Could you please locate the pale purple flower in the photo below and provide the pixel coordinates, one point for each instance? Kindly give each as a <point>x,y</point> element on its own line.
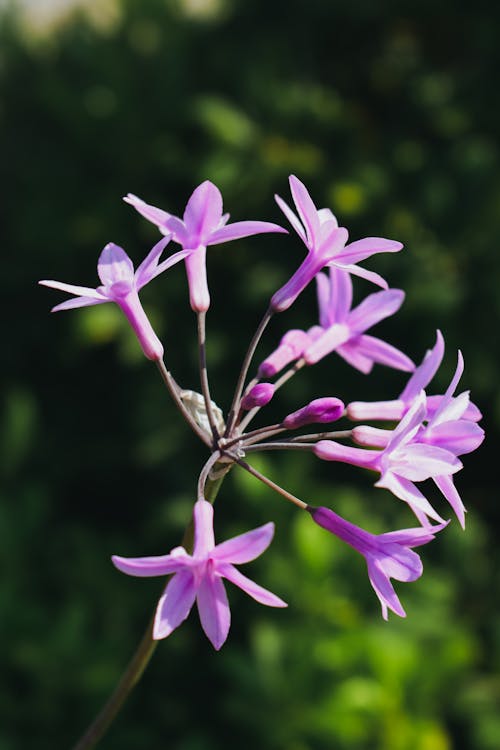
<point>387,555</point>
<point>343,329</point>
<point>321,411</point>
<point>202,224</point>
<point>198,577</point>
<point>325,242</point>
<point>446,428</point>
<point>120,284</point>
<point>396,409</point>
<point>259,395</point>
<point>402,462</point>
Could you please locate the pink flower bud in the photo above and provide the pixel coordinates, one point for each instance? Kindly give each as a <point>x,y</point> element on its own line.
<point>291,347</point>
<point>319,410</point>
<point>259,395</point>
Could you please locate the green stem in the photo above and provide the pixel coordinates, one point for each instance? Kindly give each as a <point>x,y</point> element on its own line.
<point>141,657</point>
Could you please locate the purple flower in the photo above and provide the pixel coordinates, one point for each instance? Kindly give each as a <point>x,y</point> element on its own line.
<point>343,329</point>
<point>203,224</point>
<point>325,242</point>
<point>321,410</point>
<point>259,395</point>
<point>396,409</point>
<point>120,284</point>
<point>387,555</point>
<point>199,576</point>
<point>402,462</point>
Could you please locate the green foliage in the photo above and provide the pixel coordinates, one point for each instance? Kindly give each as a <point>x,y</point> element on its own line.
<point>387,112</point>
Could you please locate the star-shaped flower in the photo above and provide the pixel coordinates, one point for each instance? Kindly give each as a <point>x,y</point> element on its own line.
<point>402,462</point>
<point>325,242</point>
<point>198,577</point>
<point>422,376</point>
<point>387,555</point>
<point>202,224</point>
<point>120,284</point>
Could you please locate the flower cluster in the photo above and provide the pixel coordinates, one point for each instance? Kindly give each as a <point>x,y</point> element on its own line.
<point>421,436</point>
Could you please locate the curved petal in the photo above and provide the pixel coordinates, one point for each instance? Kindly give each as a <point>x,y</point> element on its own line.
<point>114,265</point>
<point>459,436</point>
<point>146,567</point>
<point>261,595</point>
<point>383,353</point>
<point>419,462</point>
<point>245,547</point>
<point>340,295</point>
<point>361,249</point>
<point>384,589</point>
<point>426,371</point>
<point>80,291</point>
<point>175,604</point>
<point>243,229</point>
<point>447,487</point>
<point>399,562</point>
<point>151,213</point>
<point>413,537</point>
<point>375,308</point>
<point>148,269</point>
<point>203,212</point>
<point>71,304</point>
<point>213,608</point>
<point>351,354</point>
<point>406,491</point>
<point>292,218</point>
<point>306,209</point>
<point>409,425</point>
<point>333,337</point>
<point>375,278</point>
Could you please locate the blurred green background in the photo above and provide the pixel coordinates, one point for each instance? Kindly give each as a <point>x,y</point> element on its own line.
<point>389,112</point>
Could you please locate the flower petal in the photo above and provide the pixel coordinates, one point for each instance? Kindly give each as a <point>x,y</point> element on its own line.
<point>162,565</point>
<point>383,353</point>
<point>151,213</point>
<point>213,608</point>
<point>261,595</point>
<point>447,487</point>
<point>81,291</point>
<point>114,265</point>
<point>245,547</point>
<point>243,229</point>
<point>175,604</point>
<point>384,589</point>
<point>307,210</point>
<point>375,278</point>
<point>292,218</point>
<point>340,295</point>
<point>332,338</point>
<point>459,436</point>
<point>424,372</point>
<point>359,250</point>
<point>71,304</point>
<point>406,491</point>
<point>203,213</point>
<point>419,462</point>
<point>147,270</point>
<point>351,354</point>
<point>375,308</point>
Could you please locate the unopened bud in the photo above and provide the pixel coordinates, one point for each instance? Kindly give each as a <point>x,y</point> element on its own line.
<point>259,395</point>
<point>319,410</point>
